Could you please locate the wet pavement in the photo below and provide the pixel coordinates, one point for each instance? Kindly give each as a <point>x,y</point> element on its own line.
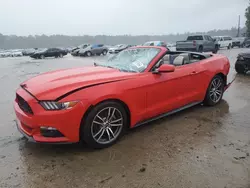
<point>199,147</point>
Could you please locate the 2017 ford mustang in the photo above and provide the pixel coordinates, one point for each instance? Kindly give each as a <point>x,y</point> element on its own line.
<point>97,104</point>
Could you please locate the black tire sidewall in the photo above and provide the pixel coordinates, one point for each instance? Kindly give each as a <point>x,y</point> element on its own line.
<point>239,68</point>
<point>200,49</point>
<point>207,100</point>
<point>216,49</point>
<point>86,126</point>
<point>88,53</point>
<point>104,52</point>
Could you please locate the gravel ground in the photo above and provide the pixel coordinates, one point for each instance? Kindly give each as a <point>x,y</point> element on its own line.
<point>199,147</point>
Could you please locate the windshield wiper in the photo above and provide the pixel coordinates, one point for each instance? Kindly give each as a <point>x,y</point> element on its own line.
<point>96,64</point>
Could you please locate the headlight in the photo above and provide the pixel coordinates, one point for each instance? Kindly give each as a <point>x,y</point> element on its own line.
<point>52,105</point>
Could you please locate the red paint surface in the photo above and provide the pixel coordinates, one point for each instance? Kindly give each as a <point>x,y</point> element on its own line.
<point>145,94</point>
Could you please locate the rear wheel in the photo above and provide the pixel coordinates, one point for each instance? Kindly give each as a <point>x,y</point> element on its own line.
<point>104,125</point>
<point>216,49</point>
<point>200,49</point>
<point>42,57</point>
<point>60,55</point>
<point>215,91</point>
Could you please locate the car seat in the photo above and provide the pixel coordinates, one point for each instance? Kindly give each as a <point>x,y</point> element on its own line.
<point>166,59</point>
<point>178,61</point>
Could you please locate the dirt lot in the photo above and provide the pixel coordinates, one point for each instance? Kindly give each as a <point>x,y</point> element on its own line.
<point>200,147</point>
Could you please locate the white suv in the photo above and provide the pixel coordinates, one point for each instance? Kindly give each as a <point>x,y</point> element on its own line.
<point>224,41</point>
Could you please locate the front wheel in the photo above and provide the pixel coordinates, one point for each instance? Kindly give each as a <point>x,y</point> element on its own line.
<point>240,68</point>
<point>88,54</point>
<point>229,46</point>
<point>42,57</point>
<point>215,91</point>
<point>104,125</point>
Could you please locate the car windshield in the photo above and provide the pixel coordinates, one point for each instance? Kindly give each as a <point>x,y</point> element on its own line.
<point>131,60</point>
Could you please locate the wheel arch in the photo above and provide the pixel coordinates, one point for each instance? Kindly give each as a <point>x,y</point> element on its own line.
<point>223,76</point>
<point>125,106</point>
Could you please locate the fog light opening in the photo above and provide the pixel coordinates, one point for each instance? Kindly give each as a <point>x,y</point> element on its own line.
<point>47,131</point>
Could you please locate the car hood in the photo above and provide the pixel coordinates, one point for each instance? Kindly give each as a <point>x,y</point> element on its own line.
<point>55,84</point>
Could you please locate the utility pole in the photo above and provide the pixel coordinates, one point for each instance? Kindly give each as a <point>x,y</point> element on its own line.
<point>238,34</point>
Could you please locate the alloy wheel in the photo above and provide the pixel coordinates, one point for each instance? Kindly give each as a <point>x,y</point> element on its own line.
<point>216,90</point>
<point>107,125</point>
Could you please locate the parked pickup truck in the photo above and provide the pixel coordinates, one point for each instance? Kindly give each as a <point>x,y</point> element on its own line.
<point>198,43</point>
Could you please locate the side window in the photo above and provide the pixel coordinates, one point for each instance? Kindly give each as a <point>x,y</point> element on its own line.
<point>225,38</point>
<point>228,38</point>
<point>206,37</point>
<point>151,44</point>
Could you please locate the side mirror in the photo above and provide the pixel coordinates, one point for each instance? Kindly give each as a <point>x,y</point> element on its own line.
<point>165,68</point>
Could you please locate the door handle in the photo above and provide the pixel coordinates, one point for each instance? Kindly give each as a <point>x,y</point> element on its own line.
<point>193,72</point>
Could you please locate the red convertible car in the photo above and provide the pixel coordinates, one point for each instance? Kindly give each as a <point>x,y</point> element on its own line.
<point>97,104</point>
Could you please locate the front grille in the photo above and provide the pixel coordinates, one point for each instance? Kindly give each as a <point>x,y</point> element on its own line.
<point>23,104</point>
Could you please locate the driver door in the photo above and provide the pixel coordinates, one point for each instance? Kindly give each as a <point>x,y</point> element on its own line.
<point>169,91</point>
<point>50,52</point>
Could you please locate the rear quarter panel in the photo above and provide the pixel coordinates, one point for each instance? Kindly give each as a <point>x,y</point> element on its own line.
<point>218,64</point>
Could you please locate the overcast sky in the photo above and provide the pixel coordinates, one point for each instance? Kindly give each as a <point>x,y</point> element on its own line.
<point>114,17</point>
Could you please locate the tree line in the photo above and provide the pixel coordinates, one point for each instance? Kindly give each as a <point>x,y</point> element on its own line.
<point>45,41</point>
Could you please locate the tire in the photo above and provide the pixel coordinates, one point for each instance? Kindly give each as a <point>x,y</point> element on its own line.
<point>104,52</point>
<point>216,49</point>
<point>200,49</point>
<point>215,91</point>
<point>60,55</point>
<point>96,129</point>
<point>42,57</point>
<point>240,68</point>
<point>88,54</point>
<point>229,46</point>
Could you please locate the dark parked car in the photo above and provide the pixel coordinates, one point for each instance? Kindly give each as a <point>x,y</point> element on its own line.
<point>118,48</point>
<point>242,65</point>
<point>96,49</point>
<point>50,52</point>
